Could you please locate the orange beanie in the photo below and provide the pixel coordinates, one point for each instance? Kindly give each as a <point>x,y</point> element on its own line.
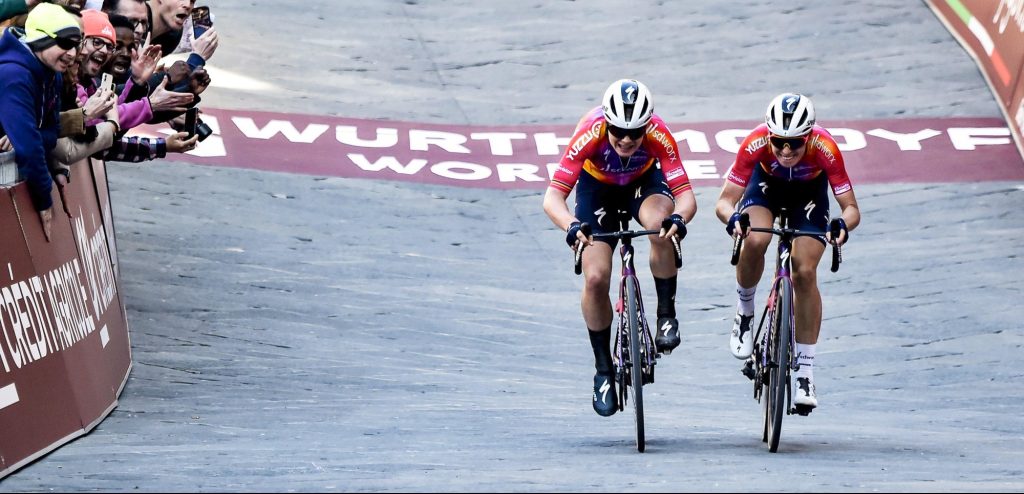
<point>98,24</point>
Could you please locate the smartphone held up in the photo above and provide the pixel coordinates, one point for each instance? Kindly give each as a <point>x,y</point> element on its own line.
<point>202,20</point>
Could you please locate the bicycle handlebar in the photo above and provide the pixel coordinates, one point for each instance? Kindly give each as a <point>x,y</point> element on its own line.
<point>837,252</point>
<point>586,230</point>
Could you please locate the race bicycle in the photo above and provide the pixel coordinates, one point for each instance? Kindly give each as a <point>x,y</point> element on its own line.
<point>635,353</point>
<point>773,360</point>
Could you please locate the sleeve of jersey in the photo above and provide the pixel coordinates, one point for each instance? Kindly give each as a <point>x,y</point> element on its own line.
<point>670,159</point>
<point>741,169</point>
<point>835,167</point>
<point>571,164</point>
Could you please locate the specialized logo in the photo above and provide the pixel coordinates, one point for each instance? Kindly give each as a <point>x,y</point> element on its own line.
<point>809,207</point>
<point>629,91</point>
<point>785,257</point>
<point>790,103</point>
<point>639,189</point>
<point>604,390</point>
<point>600,213</point>
<point>666,327</point>
<point>764,187</point>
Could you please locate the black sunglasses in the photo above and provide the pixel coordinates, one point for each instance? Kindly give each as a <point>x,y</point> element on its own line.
<point>68,42</point>
<point>633,134</point>
<point>793,142</point>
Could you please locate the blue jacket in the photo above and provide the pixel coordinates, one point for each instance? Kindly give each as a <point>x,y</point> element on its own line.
<point>29,114</point>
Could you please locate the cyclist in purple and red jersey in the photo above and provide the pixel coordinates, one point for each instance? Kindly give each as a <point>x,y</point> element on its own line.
<point>624,163</point>
<point>787,162</point>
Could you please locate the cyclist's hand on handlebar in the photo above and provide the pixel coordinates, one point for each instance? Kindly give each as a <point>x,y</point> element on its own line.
<point>673,225</point>
<point>837,233</point>
<point>738,220</point>
<point>576,233</point>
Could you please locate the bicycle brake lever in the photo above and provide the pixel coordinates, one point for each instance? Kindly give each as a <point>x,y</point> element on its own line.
<point>578,267</point>
<point>737,242</point>
<point>837,257</point>
<point>679,251</point>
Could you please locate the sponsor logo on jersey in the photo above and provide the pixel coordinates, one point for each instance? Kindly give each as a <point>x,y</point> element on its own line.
<point>675,173</point>
<point>819,144</point>
<point>667,141</point>
<point>757,144</point>
<point>585,138</point>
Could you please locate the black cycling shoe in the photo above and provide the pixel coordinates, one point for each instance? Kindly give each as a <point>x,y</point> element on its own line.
<point>668,335</point>
<point>604,395</point>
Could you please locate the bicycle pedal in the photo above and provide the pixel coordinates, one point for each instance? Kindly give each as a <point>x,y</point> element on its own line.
<point>802,410</point>
<point>665,352</point>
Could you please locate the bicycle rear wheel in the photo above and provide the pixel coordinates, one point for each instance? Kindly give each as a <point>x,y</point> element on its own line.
<point>778,383</point>
<point>635,365</point>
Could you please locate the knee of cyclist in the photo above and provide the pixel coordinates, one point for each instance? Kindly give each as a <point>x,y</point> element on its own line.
<point>804,277</point>
<point>757,244</point>
<point>598,282</point>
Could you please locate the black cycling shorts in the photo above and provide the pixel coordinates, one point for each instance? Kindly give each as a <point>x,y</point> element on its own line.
<point>806,202</point>
<point>606,206</point>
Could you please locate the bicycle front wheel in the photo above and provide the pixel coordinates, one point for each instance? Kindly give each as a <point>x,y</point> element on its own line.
<point>635,365</point>
<point>778,385</point>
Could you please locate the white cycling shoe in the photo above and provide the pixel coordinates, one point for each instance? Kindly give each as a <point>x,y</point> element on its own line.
<point>741,340</point>
<point>804,394</point>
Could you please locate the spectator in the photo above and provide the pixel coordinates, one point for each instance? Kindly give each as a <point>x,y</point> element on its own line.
<point>135,10</point>
<point>31,62</point>
<point>169,20</point>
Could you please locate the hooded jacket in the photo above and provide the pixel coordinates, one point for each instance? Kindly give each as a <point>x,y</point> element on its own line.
<point>29,113</point>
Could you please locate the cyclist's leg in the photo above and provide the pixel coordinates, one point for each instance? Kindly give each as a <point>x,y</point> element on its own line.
<point>594,202</point>
<point>654,209</point>
<point>808,211</point>
<point>652,203</point>
<point>751,263</point>
<point>807,253</point>
<point>597,204</point>
<point>597,270</point>
<point>757,202</point>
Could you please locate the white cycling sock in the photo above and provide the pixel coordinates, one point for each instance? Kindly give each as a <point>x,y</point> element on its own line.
<point>805,358</point>
<point>746,297</point>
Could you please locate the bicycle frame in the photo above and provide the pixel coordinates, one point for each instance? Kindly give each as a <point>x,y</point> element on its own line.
<point>635,352</point>
<point>783,270</point>
<point>773,360</point>
<point>648,350</point>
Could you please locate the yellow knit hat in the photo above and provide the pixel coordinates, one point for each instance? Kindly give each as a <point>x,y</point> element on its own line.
<point>46,22</point>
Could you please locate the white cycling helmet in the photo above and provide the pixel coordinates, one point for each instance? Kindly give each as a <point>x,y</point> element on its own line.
<point>790,115</point>
<point>627,104</point>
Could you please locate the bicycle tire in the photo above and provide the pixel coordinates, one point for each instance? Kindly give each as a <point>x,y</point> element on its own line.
<point>779,382</point>
<point>635,364</point>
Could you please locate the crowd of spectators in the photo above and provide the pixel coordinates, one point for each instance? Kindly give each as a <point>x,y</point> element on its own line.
<point>76,75</point>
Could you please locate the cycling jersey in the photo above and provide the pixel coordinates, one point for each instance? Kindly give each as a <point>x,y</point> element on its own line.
<point>822,156</point>
<point>589,151</point>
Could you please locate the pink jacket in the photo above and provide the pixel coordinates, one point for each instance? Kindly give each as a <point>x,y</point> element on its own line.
<point>130,114</point>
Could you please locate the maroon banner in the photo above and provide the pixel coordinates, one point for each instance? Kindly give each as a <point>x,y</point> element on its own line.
<point>876,151</point>
<point>64,348</point>
<point>992,32</point>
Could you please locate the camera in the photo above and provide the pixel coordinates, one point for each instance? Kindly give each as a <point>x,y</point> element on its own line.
<point>203,130</point>
<point>195,125</point>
